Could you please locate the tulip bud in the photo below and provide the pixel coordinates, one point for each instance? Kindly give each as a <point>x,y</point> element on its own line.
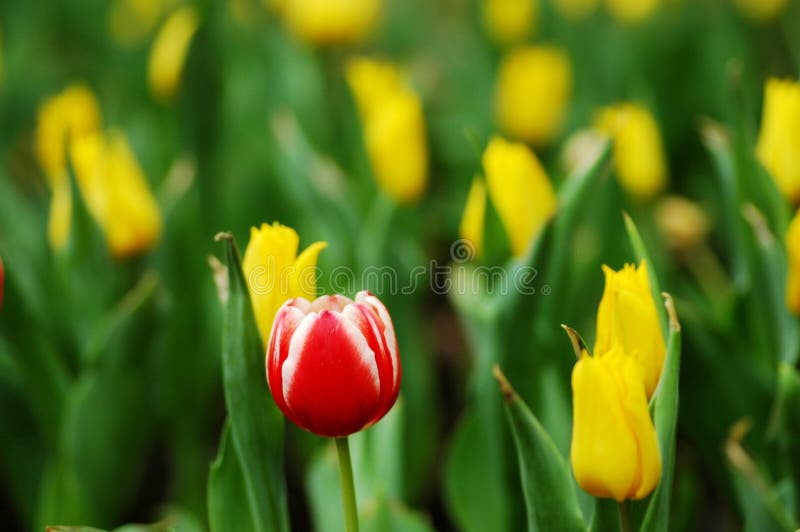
<point>614,449</point>
<point>638,152</point>
<point>510,21</point>
<point>168,54</point>
<point>793,255</point>
<point>778,147</point>
<point>331,21</point>
<point>520,191</point>
<point>760,10</point>
<point>332,364</point>
<point>627,317</point>
<point>131,21</point>
<point>392,120</point>
<point>632,11</point>
<point>275,273</point>
<point>534,86</point>
<point>472,221</point>
<point>682,222</point>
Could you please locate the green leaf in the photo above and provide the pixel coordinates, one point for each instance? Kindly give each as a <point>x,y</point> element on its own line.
<point>227,498</point>
<point>550,497</point>
<point>640,251</point>
<point>256,425</point>
<point>665,406</point>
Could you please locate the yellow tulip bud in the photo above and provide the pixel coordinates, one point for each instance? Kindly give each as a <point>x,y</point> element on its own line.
<point>632,11</point>
<point>331,21</point>
<point>472,221</point>
<point>60,219</point>
<point>627,317</point>
<point>793,252</point>
<point>760,10</point>
<point>131,21</point>
<point>638,152</point>
<point>682,222</point>
<point>778,146</point>
<point>169,51</point>
<point>275,273</point>
<point>520,191</point>
<point>392,123</point>
<point>510,21</point>
<point>534,86</point>
<point>576,9</point>
<point>614,449</point>
<point>116,193</point>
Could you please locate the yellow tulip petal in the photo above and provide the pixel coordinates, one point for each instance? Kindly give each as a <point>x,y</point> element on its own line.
<point>778,146</point>
<point>168,54</point>
<point>473,219</point>
<point>793,252</point>
<point>632,11</point>
<point>59,221</point>
<point>510,21</point>
<point>761,10</point>
<point>331,21</point>
<point>304,280</point>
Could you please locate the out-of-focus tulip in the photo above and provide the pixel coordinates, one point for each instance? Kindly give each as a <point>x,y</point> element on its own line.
<point>472,221</point>
<point>534,86</point>
<point>778,146</point>
<point>331,21</point>
<point>332,365</point>
<point>169,51</point>
<point>627,317</point>
<point>632,11</point>
<point>761,10</point>
<point>520,191</point>
<point>116,193</point>
<point>581,150</point>
<point>393,122</point>
<point>576,9</point>
<point>614,449</point>
<point>275,273</point>
<point>682,222</point>
<point>70,115</point>
<point>793,252</point>
<point>131,21</point>
<point>638,151</point>
<point>510,21</point>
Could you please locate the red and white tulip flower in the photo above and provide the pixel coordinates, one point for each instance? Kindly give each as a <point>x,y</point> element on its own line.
<point>332,364</point>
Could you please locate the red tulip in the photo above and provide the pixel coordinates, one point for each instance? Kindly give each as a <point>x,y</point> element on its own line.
<point>332,365</point>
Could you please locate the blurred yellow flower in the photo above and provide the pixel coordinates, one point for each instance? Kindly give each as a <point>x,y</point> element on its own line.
<point>576,9</point>
<point>533,90</point>
<point>761,10</point>
<point>520,191</point>
<point>64,118</point>
<point>510,21</point>
<point>793,252</point>
<point>778,147</point>
<point>393,123</point>
<point>627,317</point>
<point>472,221</point>
<point>638,151</point>
<point>131,21</point>
<point>614,450</point>
<point>331,21</point>
<point>116,192</point>
<point>275,273</point>
<point>682,222</point>
<point>169,51</point>
<point>632,11</point>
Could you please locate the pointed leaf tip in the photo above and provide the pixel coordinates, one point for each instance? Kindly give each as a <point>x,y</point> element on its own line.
<point>505,387</point>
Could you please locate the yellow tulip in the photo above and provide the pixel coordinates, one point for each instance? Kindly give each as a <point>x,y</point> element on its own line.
<point>614,450</point>
<point>761,10</point>
<point>169,51</point>
<point>393,123</point>
<point>331,21</point>
<point>793,251</point>
<point>472,221</point>
<point>632,11</point>
<point>682,222</point>
<point>627,317</point>
<point>638,152</point>
<point>533,90</point>
<point>275,273</point>
<point>116,193</point>
<point>778,146</point>
<point>131,21</point>
<point>510,21</point>
<point>520,191</point>
<point>576,9</point>
<point>70,115</point>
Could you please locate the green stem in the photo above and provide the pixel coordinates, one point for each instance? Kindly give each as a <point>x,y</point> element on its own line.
<point>348,488</point>
<point>624,509</point>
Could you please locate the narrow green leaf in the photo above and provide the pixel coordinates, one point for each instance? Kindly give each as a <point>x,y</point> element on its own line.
<point>641,253</point>
<point>227,499</point>
<point>666,418</point>
<point>256,425</point>
<point>547,484</point>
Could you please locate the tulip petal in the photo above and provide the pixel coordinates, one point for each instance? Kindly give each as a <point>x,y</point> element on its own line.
<point>287,320</point>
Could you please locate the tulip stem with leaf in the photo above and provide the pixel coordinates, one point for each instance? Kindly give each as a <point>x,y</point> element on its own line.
<point>348,488</point>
